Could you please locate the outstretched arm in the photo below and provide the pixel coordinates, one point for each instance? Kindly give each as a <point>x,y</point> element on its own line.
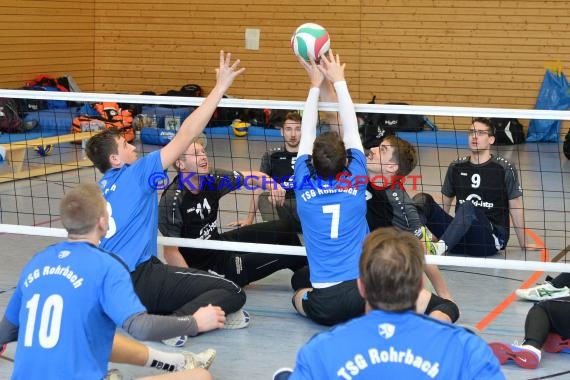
<point>329,95</point>
<point>334,72</point>
<point>194,124</point>
<point>311,110</point>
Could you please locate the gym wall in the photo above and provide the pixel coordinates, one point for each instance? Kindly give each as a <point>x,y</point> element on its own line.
<point>455,52</point>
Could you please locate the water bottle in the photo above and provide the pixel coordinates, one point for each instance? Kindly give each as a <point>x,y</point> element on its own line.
<point>154,122</point>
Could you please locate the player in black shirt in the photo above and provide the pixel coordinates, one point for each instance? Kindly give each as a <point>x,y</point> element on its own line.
<point>279,163</point>
<point>191,211</point>
<point>487,190</point>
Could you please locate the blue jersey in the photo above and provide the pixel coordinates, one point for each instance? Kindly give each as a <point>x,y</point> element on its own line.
<point>383,345</point>
<point>133,210</point>
<point>333,218</point>
<point>68,302</point>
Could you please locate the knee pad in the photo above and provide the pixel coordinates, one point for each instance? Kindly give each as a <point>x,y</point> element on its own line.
<point>443,305</point>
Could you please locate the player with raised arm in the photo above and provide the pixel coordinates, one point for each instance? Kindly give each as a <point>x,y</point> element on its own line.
<point>333,215</point>
<point>132,203</point>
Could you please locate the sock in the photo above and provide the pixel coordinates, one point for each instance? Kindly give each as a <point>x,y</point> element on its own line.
<point>166,361</point>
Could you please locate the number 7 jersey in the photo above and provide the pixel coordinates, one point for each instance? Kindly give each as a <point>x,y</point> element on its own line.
<point>333,218</point>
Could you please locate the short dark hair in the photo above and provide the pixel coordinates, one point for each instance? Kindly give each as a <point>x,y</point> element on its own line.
<point>391,269</point>
<point>293,116</point>
<point>81,208</point>
<point>101,146</point>
<point>485,121</point>
<point>404,154</point>
<point>329,155</point>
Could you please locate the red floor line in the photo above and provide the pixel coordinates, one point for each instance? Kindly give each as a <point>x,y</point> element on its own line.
<point>534,277</point>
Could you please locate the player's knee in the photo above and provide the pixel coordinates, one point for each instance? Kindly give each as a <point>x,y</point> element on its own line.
<point>301,279</point>
<point>297,300</point>
<point>445,306</point>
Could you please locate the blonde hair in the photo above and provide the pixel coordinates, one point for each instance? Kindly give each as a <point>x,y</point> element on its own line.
<point>81,208</point>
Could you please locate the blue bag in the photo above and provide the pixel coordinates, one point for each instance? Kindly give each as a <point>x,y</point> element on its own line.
<point>554,95</point>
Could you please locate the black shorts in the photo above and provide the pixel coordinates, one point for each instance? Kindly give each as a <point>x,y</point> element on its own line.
<point>335,304</point>
<point>558,311</point>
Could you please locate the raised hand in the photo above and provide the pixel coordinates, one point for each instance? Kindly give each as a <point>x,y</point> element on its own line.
<point>227,71</point>
<point>315,76</point>
<point>331,67</point>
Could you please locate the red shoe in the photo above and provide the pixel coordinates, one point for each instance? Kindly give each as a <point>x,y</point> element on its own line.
<point>555,343</point>
<point>523,357</point>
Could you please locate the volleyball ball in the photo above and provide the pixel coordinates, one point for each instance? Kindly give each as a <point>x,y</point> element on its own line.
<point>310,41</point>
<point>240,128</point>
<point>44,150</point>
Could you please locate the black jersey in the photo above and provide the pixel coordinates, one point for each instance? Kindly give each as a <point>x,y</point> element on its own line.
<point>489,186</point>
<point>391,207</point>
<point>195,216</point>
<point>279,164</point>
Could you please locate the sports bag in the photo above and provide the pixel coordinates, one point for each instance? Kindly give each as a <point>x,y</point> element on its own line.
<point>10,120</point>
<point>508,131</point>
<point>111,115</point>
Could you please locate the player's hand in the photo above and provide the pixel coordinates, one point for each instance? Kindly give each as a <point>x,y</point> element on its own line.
<point>209,318</point>
<point>227,71</point>
<point>315,75</point>
<point>241,223</point>
<point>277,195</point>
<point>331,67</point>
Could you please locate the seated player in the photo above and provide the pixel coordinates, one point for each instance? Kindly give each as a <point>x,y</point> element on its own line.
<point>71,297</point>
<point>392,341</point>
<point>189,208</point>
<point>388,203</point>
<point>279,163</point>
<point>547,327</point>
<point>487,190</point>
<point>132,202</point>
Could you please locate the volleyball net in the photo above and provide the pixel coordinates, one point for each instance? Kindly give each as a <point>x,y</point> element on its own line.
<point>42,162</point>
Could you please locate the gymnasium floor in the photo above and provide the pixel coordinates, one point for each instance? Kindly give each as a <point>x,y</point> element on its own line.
<point>276,331</point>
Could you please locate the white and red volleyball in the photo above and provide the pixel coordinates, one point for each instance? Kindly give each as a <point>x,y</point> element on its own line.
<point>310,41</point>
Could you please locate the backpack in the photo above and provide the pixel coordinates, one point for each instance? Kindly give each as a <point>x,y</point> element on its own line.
<point>508,131</point>
<point>44,82</point>
<point>402,122</point>
<point>566,145</point>
<point>111,115</point>
<point>10,120</point>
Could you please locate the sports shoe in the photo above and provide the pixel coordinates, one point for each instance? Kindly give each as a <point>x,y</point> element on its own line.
<point>542,292</point>
<point>523,356</point>
<point>238,320</point>
<point>114,374</point>
<point>432,247</point>
<point>177,341</point>
<point>282,374</point>
<point>202,359</point>
<point>555,343</point>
